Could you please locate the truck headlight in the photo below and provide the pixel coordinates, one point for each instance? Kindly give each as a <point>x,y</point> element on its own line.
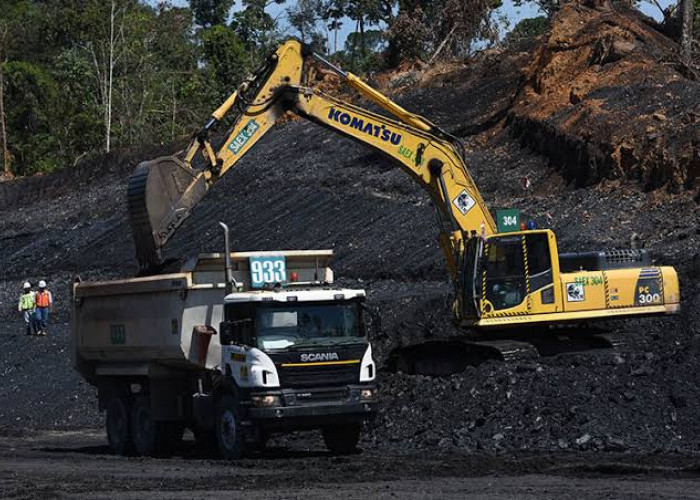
<point>366,394</point>
<point>260,401</point>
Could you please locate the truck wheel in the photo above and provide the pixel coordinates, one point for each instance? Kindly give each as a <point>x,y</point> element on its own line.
<point>119,426</point>
<point>147,434</point>
<point>229,432</point>
<point>342,439</point>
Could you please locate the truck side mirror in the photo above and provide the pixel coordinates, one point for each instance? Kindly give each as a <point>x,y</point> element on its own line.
<point>226,332</point>
<point>236,332</point>
<point>373,321</point>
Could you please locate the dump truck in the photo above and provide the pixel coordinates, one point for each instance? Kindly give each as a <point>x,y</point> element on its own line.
<point>235,349</point>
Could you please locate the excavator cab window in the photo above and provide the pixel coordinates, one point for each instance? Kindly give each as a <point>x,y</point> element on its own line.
<point>471,277</point>
<point>504,266</point>
<point>539,261</point>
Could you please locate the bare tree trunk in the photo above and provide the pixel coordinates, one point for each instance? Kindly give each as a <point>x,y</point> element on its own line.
<point>335,37</point>
<point>363,47</point>
<point>687,14</point>
<point>6,159</point>
<point>354,44</point>
<point>110,79</point>
<point>442,45</point>
<point>172,123</point>
<point>3,126</point>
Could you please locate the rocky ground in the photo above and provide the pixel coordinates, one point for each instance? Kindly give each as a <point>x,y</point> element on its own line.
<point>81,468</point>
<point>304,187</point>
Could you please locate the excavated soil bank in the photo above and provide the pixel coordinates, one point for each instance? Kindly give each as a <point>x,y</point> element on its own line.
<point>605,98</point>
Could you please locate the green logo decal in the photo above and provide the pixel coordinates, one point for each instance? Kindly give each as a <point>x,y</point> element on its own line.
<point>243,136</point>
<point>117,334</point>
<point>408,153</point>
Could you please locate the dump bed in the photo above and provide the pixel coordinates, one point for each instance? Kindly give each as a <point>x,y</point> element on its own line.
<point>141,326</point>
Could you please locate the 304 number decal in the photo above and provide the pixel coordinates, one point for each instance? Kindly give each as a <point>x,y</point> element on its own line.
<point>267,270</point>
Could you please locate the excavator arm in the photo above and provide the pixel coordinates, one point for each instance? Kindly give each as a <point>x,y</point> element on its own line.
<point>163,191</point>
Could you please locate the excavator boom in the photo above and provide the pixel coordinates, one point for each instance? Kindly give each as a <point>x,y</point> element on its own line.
<point>162,192</point>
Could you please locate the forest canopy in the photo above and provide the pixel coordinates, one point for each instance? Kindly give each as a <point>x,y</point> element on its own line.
<point>81,77</point>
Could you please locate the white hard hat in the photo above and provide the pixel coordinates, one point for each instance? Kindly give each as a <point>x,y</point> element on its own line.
<point>26,285</point>
<point>42,284</point>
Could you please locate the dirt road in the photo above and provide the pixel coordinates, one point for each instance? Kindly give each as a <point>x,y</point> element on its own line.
<point>77,464</point>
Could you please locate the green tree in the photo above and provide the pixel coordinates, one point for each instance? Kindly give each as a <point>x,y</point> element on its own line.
<point>18,40</point>
<point>304,17</point>
<point>527,29</point>
<point>226,57</point>
<point>332,13</point>
<point>428,26</point>
<point>32,91</point>
<point>208,13</point>
<point>256,28</point>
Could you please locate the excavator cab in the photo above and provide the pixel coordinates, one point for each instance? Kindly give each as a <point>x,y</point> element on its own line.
<point>512,279</point>
<point>502,273</point>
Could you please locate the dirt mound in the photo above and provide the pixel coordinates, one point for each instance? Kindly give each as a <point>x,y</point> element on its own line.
<point>604,97</point>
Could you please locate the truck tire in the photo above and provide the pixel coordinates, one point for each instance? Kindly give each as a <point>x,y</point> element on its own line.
<point>342,439</point>
<point>152,438</point>
<point>119,425</point>
<point>229,432</point>
<point>143,427</point>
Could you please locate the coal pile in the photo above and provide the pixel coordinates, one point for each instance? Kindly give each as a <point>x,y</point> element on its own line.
<point>39,388</point>
<point>304,187</point>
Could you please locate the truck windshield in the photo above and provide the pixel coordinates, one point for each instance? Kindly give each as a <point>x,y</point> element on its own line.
<point>302,325</point>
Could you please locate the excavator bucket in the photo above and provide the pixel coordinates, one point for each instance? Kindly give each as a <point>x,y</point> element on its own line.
<point>161,193</point>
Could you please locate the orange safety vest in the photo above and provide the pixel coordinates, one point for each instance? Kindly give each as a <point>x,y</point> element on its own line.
<point>43,299</point>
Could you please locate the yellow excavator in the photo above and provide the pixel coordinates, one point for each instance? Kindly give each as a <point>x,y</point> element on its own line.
<point>501,279</point>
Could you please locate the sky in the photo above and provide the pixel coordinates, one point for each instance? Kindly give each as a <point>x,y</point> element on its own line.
<point>507,11</point>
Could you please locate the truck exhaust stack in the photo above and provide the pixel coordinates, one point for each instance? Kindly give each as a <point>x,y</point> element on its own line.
<point>231,284</point>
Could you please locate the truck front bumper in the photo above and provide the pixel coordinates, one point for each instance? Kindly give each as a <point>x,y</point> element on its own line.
<point>307,408</point>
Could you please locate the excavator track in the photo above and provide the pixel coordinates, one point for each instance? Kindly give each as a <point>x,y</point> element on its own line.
<point>452,355</point>
<point>444,357</point>
<point>506,350</point>
<point>613,340</point>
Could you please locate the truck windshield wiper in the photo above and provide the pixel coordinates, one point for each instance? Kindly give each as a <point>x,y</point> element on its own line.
<point>328,343</point>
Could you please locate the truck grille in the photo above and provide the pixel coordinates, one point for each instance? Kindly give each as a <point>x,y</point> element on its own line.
<point>308,376</point>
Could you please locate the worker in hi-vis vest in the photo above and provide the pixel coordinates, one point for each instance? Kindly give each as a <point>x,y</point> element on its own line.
<point>27,305</point>
<point>44,301</point>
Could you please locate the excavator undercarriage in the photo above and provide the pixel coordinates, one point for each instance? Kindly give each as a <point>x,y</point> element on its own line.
<point>447,356</point>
